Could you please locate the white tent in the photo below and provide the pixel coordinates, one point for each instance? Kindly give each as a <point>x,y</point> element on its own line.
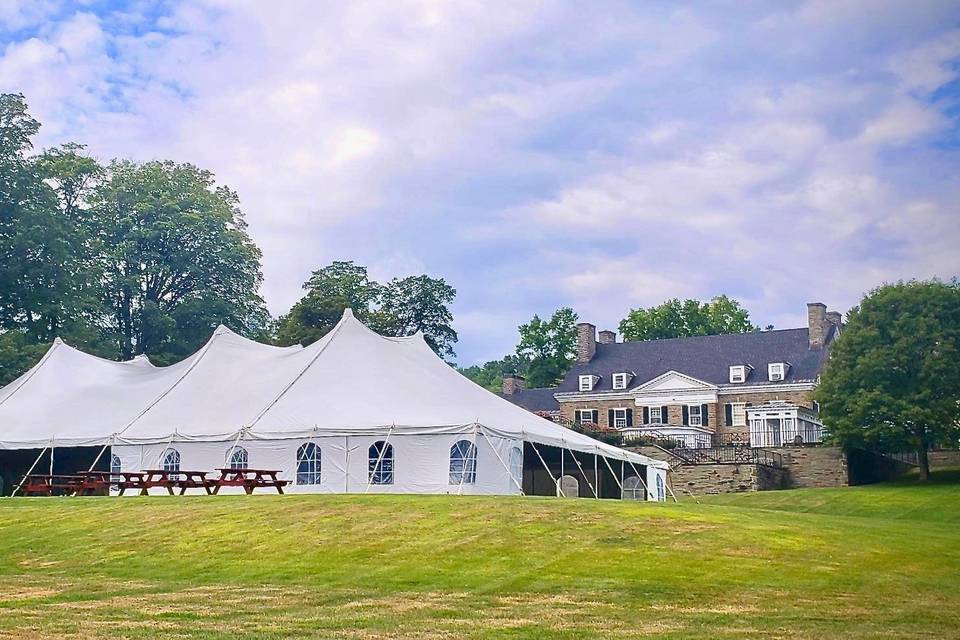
<point>318,409</point>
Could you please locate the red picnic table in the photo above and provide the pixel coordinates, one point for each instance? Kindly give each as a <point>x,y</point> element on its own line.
<point>93,482</point>
<point>249,479</point>
<point>45,484</point>
<point>165,478</point>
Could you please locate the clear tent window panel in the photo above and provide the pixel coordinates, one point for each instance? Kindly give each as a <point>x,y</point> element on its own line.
<point>171,462</point>
<point>238,458</point>
<point>115,468</point>
<point>380,462</point>
<point>463,462</point>
<point>308,464</point>
<point>516,465</point>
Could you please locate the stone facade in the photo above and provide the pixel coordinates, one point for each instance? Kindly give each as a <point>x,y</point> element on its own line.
<point>706,479</point>
<point>814,466</point>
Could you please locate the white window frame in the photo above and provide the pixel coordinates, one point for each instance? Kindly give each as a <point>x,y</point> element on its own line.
<point>658,419</point>
<point>580,413</point>
<point>617,418</point>
<point>620,380</point>
<point>586,383</point>
<point>694,420</point>
<point>776,368</point>
<point>738,371</point>
<point>738,409</point>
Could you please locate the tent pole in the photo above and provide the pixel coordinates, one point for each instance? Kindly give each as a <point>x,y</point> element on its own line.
<point>583,473</point>
<point>51,456</point>
<point>667,485</point>
<point>622,467</point>
<point>463,469</point>
<point>376,468</point>
<point>29,471</point>
<point>596,472</point>
<point>99,455</point>
<point>556,483</point>
<point>504,464</point>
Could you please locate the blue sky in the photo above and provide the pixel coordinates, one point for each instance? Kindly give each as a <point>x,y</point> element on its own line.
<point>537,154</point>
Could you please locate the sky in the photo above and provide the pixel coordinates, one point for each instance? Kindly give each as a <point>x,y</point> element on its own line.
<point>602,155</point>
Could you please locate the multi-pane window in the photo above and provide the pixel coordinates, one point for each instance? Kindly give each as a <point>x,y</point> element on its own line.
<point>619,418</point>
<point>695,418</point>
<point>775,371</point>
<point>115,468</point>
<point>516,466</point>
<point>620,380</point>
<point>171,462</point>
<point>380,462</point>
<point>585,416</point>
<point>739,414</point>
<point>308,464</point>
<point>463,462</point>
<point>656,415</point>
<point>586,383</point>
<point>738,373</point>
<point>238,458</point>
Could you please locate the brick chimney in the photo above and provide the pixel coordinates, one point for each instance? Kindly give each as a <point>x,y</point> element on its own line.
<point>586,341</point>
<point>512,383</point>
<point>607,337</point>
<point>817,324</point>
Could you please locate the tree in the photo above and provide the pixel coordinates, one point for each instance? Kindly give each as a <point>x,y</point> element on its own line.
<point>419,303</point>
<point>168,239</point>
<point>310,319</point>
<point>892,381</point>
<point>681,318</point>
<point>549,345</point>
<point>490,374</point>
<point>346,281</point>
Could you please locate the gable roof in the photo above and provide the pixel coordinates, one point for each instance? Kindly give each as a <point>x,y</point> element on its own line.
<point>706,358</point>
<point>536,400</point>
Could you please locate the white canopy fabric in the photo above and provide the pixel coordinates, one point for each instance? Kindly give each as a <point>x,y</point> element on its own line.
<point>351,382</point>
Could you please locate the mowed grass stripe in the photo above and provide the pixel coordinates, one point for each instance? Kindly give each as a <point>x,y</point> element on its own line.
<point>791,564</point>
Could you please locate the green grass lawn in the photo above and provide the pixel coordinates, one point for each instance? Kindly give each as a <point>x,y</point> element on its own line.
<point>864,562</point>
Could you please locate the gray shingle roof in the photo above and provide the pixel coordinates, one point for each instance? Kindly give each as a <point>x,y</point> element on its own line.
<point>706,358</point>
<point>534,399</point>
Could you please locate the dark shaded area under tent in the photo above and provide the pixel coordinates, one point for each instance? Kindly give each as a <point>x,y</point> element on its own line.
<point>14,463</point>
<point>538,482</point>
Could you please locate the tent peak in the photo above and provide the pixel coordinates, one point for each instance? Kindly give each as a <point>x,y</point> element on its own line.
<point>348,313</point>
<point>57,340</point>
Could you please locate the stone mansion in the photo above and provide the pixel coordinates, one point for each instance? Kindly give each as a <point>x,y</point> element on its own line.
<point>749,388</point>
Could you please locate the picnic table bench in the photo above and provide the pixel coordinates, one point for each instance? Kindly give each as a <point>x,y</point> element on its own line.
<point>249,479</point>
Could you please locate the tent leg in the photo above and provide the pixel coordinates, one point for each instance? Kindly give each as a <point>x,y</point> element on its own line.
<point>51,459</point>
<point>556,483</point>
<point>596,473</point>
<point>29,471</point>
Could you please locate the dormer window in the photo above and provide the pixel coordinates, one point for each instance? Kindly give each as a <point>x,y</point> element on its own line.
<point>777,371</point>
<point>738,373</point>
<point>620,380</point>
<point>587,382</point>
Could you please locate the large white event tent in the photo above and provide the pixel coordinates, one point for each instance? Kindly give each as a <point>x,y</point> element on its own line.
<point>352,412</point>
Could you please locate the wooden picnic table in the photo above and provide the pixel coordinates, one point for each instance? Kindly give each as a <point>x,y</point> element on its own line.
<point>44,484</point>
<point>93,481</point>
<point>249,479</point>
<point>182,479</point>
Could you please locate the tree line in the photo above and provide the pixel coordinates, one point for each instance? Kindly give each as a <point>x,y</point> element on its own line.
<point>130,258</point>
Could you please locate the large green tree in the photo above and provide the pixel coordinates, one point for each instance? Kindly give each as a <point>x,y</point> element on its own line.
<point>550,346</point>
<point>401,307</point>
<point>490,374</point>
<point>677,318</point>
<point>169,239</point>
<point>893,381</point>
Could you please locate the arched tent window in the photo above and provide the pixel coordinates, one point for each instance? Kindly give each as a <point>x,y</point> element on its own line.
<point>237,458</point>
<point>170,460</point>
<point>568,487</point>
<point>516,466</point>
<point>633,488</point>
<point>308,464</point>
<point>115,468</point>
<point>660,494</point>
<point>463,462</point>
<point>380,462</point>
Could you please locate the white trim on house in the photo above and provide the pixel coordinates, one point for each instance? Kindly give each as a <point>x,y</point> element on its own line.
<point>738,374</point>
<point>807,385</point>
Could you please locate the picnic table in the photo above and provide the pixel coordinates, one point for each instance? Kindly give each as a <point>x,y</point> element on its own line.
<point>164,478</point>
<point>45,484</point>
<point>92,482</point>
<point>249,479</point>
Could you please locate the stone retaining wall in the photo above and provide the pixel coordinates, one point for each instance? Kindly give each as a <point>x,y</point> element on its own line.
<point>944,459</point>
<point>814,466</point>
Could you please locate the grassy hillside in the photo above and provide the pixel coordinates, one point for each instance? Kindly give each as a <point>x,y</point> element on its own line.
<point>866,562</point>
